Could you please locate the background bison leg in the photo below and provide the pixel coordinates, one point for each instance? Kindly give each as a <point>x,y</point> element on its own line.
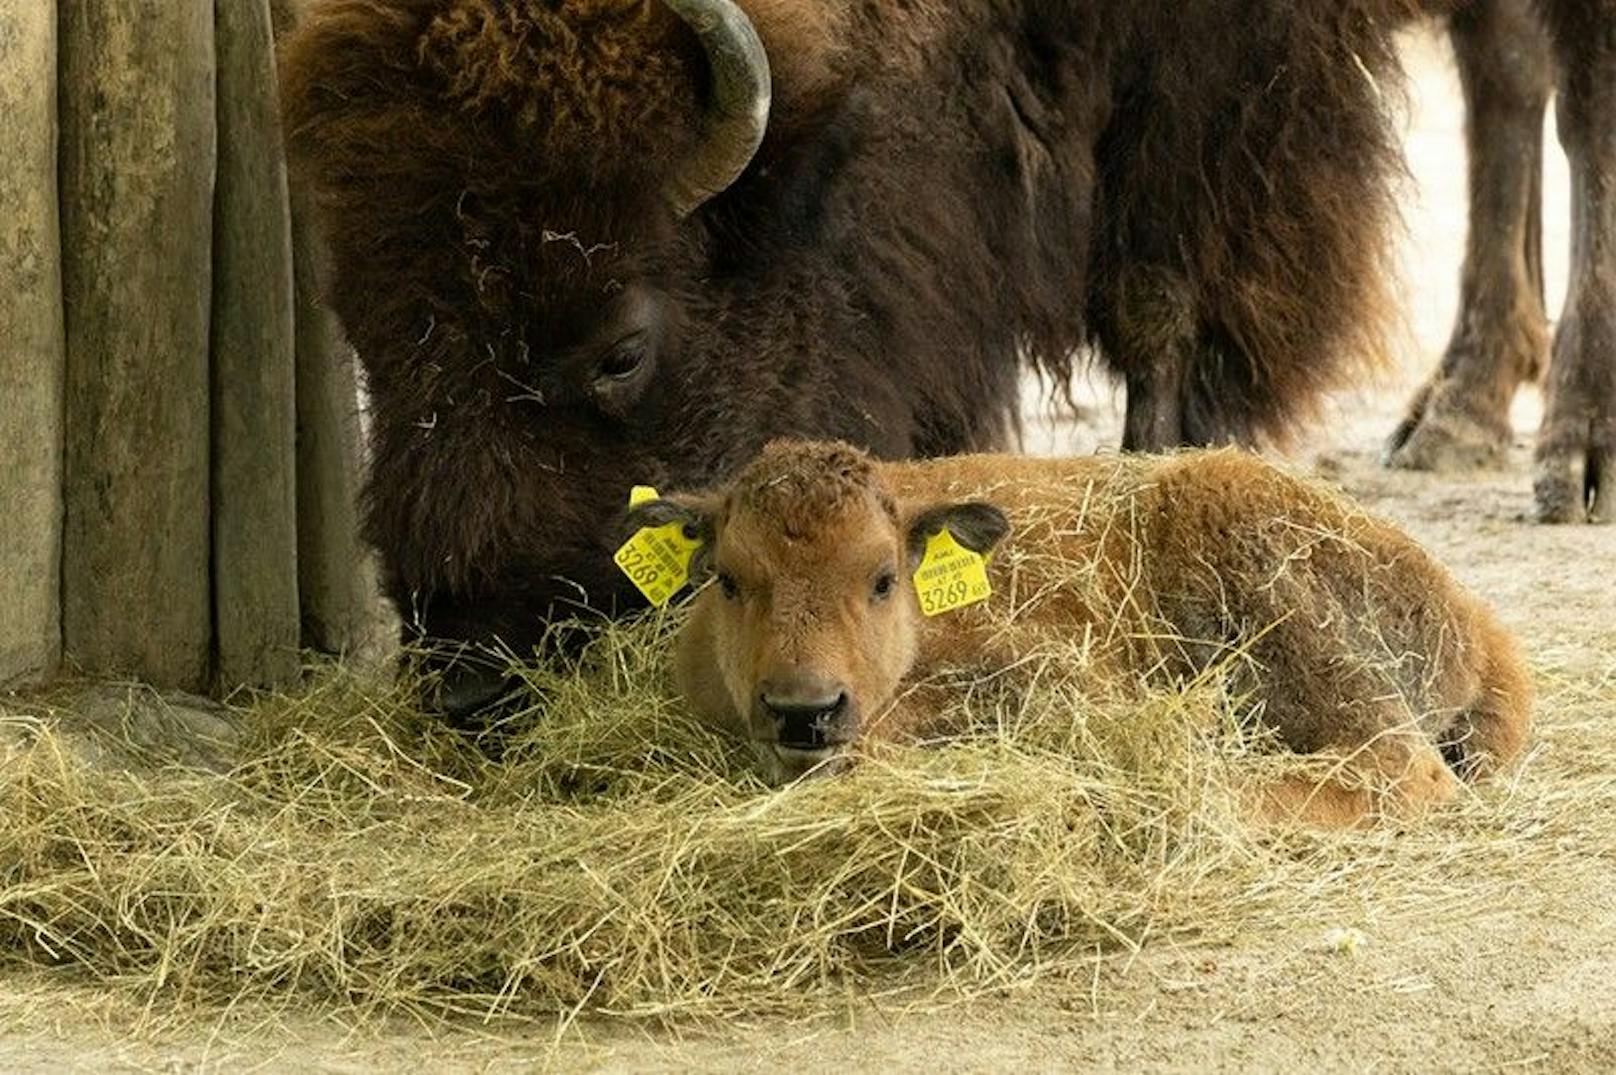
<point>1154,418</point>
<point>1172,404</point>
<point>1153,339</point>
<point>1460,417</point>
<point>1576,449</point>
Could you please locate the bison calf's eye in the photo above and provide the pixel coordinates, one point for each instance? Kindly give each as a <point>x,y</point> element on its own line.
<point>885,583</point>
<point>728,587</point>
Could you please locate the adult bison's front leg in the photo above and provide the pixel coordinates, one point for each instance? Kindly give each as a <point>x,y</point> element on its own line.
<point>1576,450</point>
<point>1460,417</point>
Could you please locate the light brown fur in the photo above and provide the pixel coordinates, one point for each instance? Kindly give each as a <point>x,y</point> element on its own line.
<point>1358,646</point>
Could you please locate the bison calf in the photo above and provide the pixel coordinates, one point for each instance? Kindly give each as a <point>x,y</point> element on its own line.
<point>1354,643</point>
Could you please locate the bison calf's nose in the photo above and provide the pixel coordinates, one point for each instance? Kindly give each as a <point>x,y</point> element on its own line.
<point>806,716</point>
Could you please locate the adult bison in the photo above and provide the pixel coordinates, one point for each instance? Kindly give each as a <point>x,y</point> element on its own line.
<point>583,244</point>
<point>1510,53</point>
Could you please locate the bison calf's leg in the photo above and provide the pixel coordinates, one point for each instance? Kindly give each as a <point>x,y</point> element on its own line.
<point>1460,417</point>
<point>1395,774</point>
<point>1492,730</point>
<point>1576,449</point>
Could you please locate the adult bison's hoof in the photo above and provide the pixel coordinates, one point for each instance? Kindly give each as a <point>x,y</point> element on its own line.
<point>1576,482</point>
<point>1575,479</point>
<point>1438,435</point>
<point>1445,443</point>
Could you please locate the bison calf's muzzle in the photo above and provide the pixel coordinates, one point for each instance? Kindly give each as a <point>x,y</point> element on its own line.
<point>807,713</point>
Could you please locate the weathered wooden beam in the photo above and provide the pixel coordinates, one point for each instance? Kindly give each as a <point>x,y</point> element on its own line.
<point>342,610</point>
<point>137,177</point>
<point>255,592</point>
<point>31,346</point>
<point>336,573</point>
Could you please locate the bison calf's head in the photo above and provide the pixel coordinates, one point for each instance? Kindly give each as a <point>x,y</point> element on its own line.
<point>809,618</point>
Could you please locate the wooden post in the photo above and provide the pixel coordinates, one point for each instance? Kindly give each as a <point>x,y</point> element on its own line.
<point>31,347</point>
<point>137,177</point>
<point>255,596</point>
<point>336,574</point>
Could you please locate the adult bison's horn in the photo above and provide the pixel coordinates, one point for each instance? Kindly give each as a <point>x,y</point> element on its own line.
<point>739,113</point>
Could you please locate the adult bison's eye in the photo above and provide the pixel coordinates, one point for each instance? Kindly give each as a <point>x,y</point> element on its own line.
<point>624,360</point>
<point>885,583</point>
<point>619,377</point>
<point>616,360</point>
<point>728,587</point>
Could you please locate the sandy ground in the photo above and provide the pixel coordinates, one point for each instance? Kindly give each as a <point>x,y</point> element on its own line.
<point>1516,988</point>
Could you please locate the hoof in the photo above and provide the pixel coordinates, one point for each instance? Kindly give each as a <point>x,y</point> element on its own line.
<point>1445,443</point>
<point>1575,476</point>
<point>1575,486</point>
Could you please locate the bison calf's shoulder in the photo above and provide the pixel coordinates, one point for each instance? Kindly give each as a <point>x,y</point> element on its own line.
<point>1353,642</point>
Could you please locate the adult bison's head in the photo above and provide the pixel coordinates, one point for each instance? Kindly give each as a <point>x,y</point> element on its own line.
<point>512,192</point>
<point>519,169</point>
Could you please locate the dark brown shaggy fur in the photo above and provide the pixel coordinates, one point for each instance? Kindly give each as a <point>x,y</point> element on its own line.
<point>1352,642</point>
<point>1197,188</point>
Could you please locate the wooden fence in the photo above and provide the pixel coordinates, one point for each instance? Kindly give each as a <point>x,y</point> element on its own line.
<point>178,415</point>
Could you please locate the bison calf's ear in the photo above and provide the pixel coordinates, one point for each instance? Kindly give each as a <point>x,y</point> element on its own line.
<point>977,525</point>
<point>694,516</point>
<point>698,519</point>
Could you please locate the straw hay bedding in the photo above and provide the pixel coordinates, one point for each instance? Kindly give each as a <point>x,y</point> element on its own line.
<point>615,857</point>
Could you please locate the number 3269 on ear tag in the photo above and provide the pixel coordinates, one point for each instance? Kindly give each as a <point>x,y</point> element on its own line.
<point>657,558</point>
<point>950,576</point>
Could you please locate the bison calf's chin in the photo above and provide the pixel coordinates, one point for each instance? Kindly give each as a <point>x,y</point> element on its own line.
<point>1351,643</point>
<point>784,765</point>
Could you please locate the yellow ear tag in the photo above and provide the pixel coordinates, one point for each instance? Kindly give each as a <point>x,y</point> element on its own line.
<point>950,576</point>
<point>657,558</point>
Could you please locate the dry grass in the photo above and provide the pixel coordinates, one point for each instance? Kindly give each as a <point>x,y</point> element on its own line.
<point>617,858</point>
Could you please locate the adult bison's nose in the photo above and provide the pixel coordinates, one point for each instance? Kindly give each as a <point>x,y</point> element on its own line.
<point>807,713</point>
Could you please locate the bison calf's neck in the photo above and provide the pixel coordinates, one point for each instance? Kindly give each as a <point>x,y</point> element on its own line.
<point>1352,641</point>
